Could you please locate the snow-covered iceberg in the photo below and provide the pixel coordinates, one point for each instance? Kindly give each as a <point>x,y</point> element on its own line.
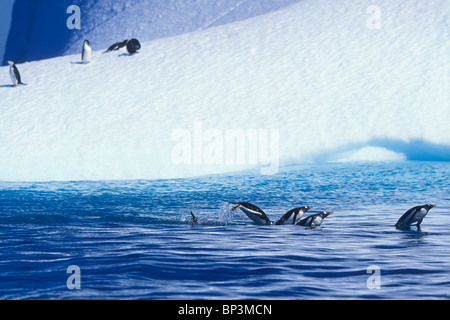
<point>39,28</point>
<point>313,82</point>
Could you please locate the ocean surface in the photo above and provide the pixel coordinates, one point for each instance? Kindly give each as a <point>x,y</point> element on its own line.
<point>134,239</point>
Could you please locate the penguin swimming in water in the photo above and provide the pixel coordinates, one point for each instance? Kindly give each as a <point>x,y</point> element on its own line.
<point>14,74</point>
<point>413,215</point>
<point>193,219</point>
<point>133,46</point>
<point>117,46</point>
<point>315,220</point>
<point>253,212</point>
<point>260,217</point>
<point>293,215</point>
<point>86,53</point>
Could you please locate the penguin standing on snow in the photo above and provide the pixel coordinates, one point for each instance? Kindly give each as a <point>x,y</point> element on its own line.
<point>86,53</point>
<point>413,215</point>
<point>315,220</point>
<point>14,74</point>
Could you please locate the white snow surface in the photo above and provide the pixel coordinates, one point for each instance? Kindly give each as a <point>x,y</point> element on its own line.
<point>333,88</point>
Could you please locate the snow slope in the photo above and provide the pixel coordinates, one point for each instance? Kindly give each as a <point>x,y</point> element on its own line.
<point>39,29</point>
<point>109,21</point>
<point>332,88</point>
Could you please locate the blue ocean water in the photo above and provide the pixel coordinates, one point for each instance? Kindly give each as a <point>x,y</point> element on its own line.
<point>134,240</point>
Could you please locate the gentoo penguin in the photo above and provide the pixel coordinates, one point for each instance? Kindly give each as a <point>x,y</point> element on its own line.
<point>260,217</point>
<point>315,220</point>
<point>133,46</point>
<point>413,215</point>
<point>292,216</point>
<point>193,219</point>
<point>14,73</point>
<point>86,54</point>
<point>253,212</point>
<point>117,46</point>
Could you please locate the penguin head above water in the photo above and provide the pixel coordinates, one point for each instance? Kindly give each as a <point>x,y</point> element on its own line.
<point>305,208</point>
<point>10,62</point>
<point>326,214</point>
<point>319,218</point>
<point>299,212</point>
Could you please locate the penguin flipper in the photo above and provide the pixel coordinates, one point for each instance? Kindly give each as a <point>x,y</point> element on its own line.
<point>402,219</point>
<point>284,218</point>
<point>305,221</point>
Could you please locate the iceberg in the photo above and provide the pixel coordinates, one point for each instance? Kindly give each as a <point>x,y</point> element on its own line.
<point>314,76</point>
<point>39,28</point>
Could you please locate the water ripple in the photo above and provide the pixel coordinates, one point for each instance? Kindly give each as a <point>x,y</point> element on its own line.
<point>134,240</point>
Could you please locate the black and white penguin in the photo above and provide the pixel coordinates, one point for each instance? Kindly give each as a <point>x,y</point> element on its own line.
<point>117,46</point>
<point>253,212</point>
<point>133,46</point>
<point>259,216</point>
<point>193,219</point>
<point>14,74</point>
<point>86,53</point>
<point>413,215</point>
<point>292,216</point>
<point>315,220</point>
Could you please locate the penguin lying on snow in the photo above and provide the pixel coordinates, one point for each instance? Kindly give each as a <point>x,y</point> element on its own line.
<point>117,46</point>
<point>14,74</point>
<point>413,215</point>
<point>259,216</point>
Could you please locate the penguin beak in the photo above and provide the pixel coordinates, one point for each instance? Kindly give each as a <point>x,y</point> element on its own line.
<point>433,205</point>
<point>329,213</point>
<point>309,208</point>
